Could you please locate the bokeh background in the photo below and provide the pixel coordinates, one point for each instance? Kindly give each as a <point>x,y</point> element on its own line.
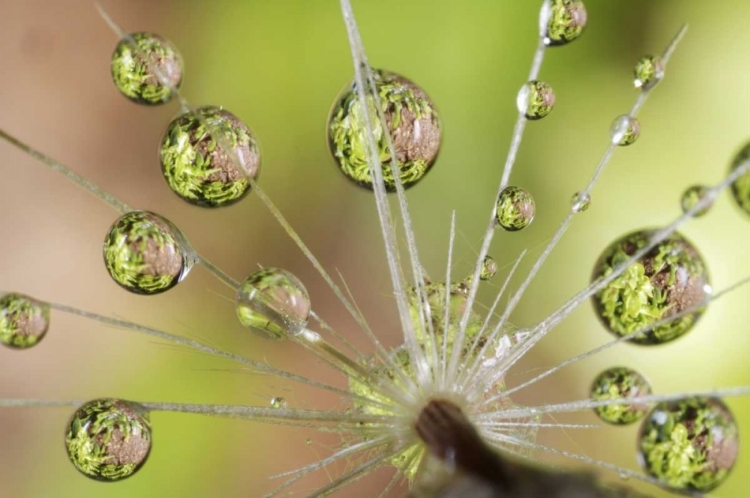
<point>278,64</point>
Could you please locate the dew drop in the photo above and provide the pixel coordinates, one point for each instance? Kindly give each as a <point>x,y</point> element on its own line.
<point>692,196</point>
<point>689,445</point>
<point>489,269</point>
<point>146,68</point>
<point>648,71</point>
<point>146,254</point>
<point>273,303</point>
<point>580,202</point>
<point>109,439</point>
<point>413,123</point>
<point>625,130</point>
<point>278,402</point>
<point>619,383</point>
<point>308,441</point>
<point>515,209</point>
<point>535,100</point>
<point>562,21</point>
<point>23,320</point>
<point>741,186</point>
<point>195,161</point>
<point>667,280</point>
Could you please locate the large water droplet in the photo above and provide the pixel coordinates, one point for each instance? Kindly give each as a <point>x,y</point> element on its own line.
<point>413,123</point>
<point>625,130</point>
<point>692,196</point>
<point>689,445</point>
<point>146,68</point>
<point>23,320</point>
<point>562,21</point>
<point>515,209</point>
<point>273,303</point>
<point>535,99</point>
<point>669,279</point>
<point>648,71</point>
<point>580,202</point>
<point>207,156</point>
<point>619,383</point>
<point>109,439</point>
<point>146,254</point>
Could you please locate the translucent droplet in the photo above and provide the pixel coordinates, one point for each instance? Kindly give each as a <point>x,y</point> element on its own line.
<point>23,320</point>
<point>648,71</point>
<point>619,383</point>
<point>562,21</point>
<point>273,303</point>
<point>689,445</point>
<point>515,209</point>
<point>207,156</point>
<point>741,186</point>
<point>692,196</point>
<point>489,268</point>
<point>535,100</point>
<point>146,68</point>
<point>278,402</point>
<point>308,441</point>
<point>146,254</point>
<point>413,123</point>
<point>625,130</point>
<point>580,202</point>
<point>109,439</point>
<point>669,279</point>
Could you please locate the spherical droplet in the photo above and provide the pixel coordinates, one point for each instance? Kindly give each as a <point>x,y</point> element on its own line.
<point>619,383</point>
<point>669,279</point>
<point>692,196</point>
<point>109,439</point>
<point>580,202</point>
<point>273,303</point>
<point>648,71</point>
<point>562,21</point>
<point>535,99</point>
<point>23,320</point>
<point>146,68</point>
<point>741,186</point>
<point>278,402</point>
<point>207,156</point>
<point>146,254</point>
<point>489,268</point>
<point>413,123</point>
<point>515,209</point>
<point>625,130</point>
<point>689,445</point>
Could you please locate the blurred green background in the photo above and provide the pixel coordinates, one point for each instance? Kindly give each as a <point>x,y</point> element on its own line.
<point>278,66</point>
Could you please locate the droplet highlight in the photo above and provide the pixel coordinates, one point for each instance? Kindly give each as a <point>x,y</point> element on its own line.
<point>648,71</point>
<point>620,383</point>
<point>24,321</point>
<point>562,21</point>
<point>625,130</point>
<point>535,100</point>
<point>515,209</point>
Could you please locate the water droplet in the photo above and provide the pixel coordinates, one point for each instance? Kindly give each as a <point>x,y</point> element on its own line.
<point>625,130</point>
<point>648,71</point>
<point>109,439</point>
<point>562,21</point>
<point>624,476</point>
<point>273,303</point>
<point>535,100</point>
<point>669,279</point>
<point>580,202</point>
<point>413,123</point>
<point>278,402</point>
<point>618,383</point>
<point>689,445</point>
<point>146,254</point>
<point>489,269</point>
<point>146,68</point>
<point>515,209</point>
<point>195,161</point>
<point>23,320</point>
<point>308,441</point>
<point>741,186</point>
<point>692,196</point>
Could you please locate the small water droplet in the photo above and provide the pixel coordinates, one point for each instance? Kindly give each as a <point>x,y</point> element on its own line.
<point>692,196</point>
<point>535,100</point>
<point>515,209</point>
<point>278,402</point>
<point>146,68</point>
<point>562,21</point>
<point>648,71</point>
<point>617,383</point>
<point>273,303</point>
<point>196,165</point>
<point>580,202</point>
<point>741,186</point>
<point>23,320</point>
<point>624,476</point>
<point>308,441</point>
<point>146,254</point>
<point>109,439</point>
<point>489,269</point>
<point>625,130</point>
